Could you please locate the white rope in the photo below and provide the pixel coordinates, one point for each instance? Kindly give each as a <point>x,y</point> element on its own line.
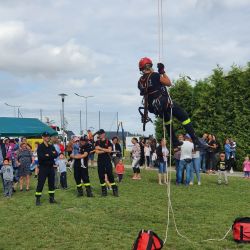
<point>159,32</point>
<point>162,31</point>
<point>170,207</point>
<point>169,176</point>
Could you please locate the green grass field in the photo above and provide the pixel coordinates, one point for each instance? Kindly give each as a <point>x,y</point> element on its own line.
<point>201,212</point>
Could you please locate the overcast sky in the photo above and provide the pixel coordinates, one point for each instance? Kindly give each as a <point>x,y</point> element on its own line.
<point>93,47</point>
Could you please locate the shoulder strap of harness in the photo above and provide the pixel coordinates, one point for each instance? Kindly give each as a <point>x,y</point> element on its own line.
<point>144,115</point>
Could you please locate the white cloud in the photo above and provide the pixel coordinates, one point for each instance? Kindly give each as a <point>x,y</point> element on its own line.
<point>76,83</point>
<point>93,48</point>
<point>21,52</point>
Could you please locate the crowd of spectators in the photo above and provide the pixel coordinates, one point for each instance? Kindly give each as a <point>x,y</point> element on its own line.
<point>146,152</point>
<point>18,161</point>
<point>189,160</point>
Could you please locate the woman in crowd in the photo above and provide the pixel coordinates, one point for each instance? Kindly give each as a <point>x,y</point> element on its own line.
<point>24,160</point>
<point>230,149</point>
<point>177,155</point>
<point>36,159</point>
<point>136,157</point>
<point>147,152</point>
<point>162,154</point>
<point>211,160</point>
<point>69,147</point>
<point>196,165</point>
<point>217,150</point>
<point>142,155</point>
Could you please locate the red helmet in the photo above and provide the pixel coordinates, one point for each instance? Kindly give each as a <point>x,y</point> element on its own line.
<point>143,62</point>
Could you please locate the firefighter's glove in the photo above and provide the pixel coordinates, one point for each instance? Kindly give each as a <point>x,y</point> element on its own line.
<point>161,67</point>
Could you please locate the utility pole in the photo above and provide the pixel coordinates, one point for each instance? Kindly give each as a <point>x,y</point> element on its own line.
<point>14,106</point>
<point>63,123</point>
<point>41,115</point>
<point>99,120</point>
<point>86,108</point>
<point>80,122</point>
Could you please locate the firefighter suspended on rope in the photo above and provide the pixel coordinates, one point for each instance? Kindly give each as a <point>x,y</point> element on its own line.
<point>156,100</point>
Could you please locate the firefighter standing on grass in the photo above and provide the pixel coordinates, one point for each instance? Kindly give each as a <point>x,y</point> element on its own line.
<point>103,148</point>
<point>81,173</point>
<point>46,154</point>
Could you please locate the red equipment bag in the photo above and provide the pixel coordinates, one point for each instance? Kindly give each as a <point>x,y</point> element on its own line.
<point>241,230</point>
<point>147,240</point>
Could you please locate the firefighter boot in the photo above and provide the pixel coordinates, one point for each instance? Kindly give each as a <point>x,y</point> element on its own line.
<point>52,199</point>
<point>79,191</point>
<point>89,191</point>
<point>115,190</point>
<point>104,191</point>
<point>38,202</point>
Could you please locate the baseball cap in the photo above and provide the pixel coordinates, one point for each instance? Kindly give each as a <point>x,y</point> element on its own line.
<point>101,131</point>
<point>45,134</point>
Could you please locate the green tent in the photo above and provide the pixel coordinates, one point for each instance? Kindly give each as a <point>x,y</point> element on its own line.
<point>29,127</point>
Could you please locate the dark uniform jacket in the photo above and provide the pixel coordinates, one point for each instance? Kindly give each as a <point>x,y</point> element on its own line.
<point>46,155</point>
<point>84,149</point>
<point>105,157</point>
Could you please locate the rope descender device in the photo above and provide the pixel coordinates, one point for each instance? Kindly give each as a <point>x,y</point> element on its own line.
<point>144,116</point>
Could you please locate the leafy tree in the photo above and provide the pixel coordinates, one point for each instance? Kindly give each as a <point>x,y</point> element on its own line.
<point>219,104</point>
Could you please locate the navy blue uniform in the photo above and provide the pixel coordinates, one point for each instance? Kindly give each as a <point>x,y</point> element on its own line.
<point>160,104</point>
<point>81,173</point>
<point>104,165</point>
<point>46,156</point>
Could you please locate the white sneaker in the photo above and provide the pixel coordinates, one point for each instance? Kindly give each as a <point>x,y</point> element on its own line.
<point>199,183</point>
<point>191,183</point>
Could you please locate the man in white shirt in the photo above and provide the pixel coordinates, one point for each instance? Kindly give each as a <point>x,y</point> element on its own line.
<point>185,159</point>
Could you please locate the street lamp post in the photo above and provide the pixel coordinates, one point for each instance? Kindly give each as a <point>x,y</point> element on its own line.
<point>63,123</point>
<point>14,106</point>
<point>86,106</point>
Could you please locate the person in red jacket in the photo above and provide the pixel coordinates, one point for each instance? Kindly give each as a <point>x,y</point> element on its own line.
<point>62,148</point>
<point>119,169</point>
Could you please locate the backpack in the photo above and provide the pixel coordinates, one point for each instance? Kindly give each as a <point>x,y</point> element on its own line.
<point>147,240</point>
<point>241,230</point>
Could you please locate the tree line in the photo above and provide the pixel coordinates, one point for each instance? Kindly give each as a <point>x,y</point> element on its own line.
<point>218,104</point>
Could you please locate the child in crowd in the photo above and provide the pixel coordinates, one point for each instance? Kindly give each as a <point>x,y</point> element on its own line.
<point>222,168</point>
<point>62,166</point>
<point>147,151</point>
<point>246,167</point>
<point>76,151</point>
<point>154,159</point>
<point>7,171</point>
<point>119,169</point>
<point>36,159</point>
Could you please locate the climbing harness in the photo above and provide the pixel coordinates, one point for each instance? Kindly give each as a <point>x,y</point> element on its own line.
<point>144,91</point>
